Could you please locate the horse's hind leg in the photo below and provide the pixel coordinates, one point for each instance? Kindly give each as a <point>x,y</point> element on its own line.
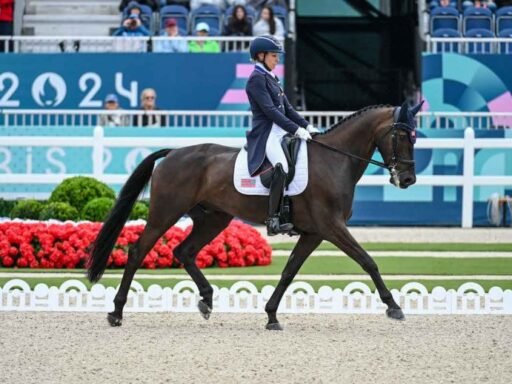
<point>342,238</point>
<point>207,225</point>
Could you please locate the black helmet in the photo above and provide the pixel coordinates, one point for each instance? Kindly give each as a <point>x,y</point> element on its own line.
<point>266,43</point>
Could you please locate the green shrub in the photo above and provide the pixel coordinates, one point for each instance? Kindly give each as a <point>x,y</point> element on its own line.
<point>27,209</point>
<point>140,211</point>
<point>79,190</point>
<point>6,207</point>
<point>59,211</point>
<point>97,209</point>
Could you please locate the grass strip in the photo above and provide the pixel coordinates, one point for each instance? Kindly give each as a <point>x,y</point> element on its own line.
<point>340,265</point>
<point>429,247</point>
<point>392,284</point>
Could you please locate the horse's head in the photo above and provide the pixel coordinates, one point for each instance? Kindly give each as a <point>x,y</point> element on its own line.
<point>396,145</point>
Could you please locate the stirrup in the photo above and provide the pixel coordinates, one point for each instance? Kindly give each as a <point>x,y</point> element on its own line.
<point>274,227</point>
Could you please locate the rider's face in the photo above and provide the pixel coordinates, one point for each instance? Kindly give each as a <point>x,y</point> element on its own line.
<point>271,60</point>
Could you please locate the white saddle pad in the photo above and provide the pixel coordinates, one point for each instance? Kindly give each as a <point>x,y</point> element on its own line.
<point>247,185</point>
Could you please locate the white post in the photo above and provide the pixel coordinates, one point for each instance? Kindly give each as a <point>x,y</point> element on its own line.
<point>97,152</point>
<point>468,173</point>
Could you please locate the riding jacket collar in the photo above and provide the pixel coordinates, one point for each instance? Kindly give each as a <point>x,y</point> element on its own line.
<point>261,68</point>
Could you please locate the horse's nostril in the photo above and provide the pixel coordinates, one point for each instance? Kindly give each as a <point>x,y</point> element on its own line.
<point>408,180</point>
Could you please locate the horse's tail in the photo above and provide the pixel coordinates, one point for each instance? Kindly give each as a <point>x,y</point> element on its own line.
<point>106,239</point>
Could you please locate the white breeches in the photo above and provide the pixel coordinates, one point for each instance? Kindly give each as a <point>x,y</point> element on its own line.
<point>273,148</point>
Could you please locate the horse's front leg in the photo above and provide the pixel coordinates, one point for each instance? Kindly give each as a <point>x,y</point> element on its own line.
<point>307,243</point>
<point>341,237</point>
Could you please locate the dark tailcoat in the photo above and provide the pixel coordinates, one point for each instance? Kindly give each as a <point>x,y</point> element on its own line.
<point>269,105</point>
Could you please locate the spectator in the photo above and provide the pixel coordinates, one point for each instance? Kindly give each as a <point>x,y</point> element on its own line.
<point>205,46</point>
<point>171,45</point>
<point>6,20</point>
<point>153,4</point>
<point>132,26</point>
<point>445,3</point>
<point>268,24</point>
<point>148,101</point>
<point>117,119</point>
<point>479,4</point>
<point>238,24</point>
<point>194,4</point>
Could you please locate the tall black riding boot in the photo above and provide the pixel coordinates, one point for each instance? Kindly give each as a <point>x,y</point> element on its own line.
<point>274,225</point>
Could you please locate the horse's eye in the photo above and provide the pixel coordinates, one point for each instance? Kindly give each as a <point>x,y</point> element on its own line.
<point>402,136</point>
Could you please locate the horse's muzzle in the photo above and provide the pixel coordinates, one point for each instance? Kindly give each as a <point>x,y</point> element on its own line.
<point>406,179</point>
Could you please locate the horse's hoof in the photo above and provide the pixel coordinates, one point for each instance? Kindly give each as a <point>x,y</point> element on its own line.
<point>274,327</point>
<point>204,309</point>
<point>395,313</point>
<point>114,321</point>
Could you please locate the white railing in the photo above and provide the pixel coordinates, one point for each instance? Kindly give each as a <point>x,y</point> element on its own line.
<point>468,180</point>
<point>235,119</point>
<point>102,44</point>
<point>470,45</point>
<point>244,297</point>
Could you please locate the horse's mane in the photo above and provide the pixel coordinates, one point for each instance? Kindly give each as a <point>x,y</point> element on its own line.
<point>354,115</point>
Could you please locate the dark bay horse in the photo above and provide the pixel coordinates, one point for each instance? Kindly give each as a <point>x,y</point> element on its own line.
<point>198,181</point>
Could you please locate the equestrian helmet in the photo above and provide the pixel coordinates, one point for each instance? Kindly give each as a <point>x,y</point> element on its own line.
<point>266,43</point>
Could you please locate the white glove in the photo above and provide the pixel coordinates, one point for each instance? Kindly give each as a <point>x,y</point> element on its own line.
<point>303,134</point>
<point>312,129</point>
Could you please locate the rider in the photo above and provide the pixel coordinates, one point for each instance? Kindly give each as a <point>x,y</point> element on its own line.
<point>273,118</point>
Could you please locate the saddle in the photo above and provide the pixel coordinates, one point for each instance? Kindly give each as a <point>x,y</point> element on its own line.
<point>291,146</point>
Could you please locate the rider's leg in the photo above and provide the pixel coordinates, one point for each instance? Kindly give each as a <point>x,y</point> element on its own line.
<point>276,156</point>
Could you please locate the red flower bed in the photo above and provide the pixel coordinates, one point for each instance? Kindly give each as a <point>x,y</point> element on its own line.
<point>43,245</point>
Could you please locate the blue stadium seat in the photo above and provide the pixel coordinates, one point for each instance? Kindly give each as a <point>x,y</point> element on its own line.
<point>282,14</point>
<point>178,12</point>
<point>484,46</point>
<point>477,18</point>
<point>444,17</point>
<point>447,46</point>
<point>505,48</point>
<point>503,19</point>
<point>210,15</point>
<point>146,13</point>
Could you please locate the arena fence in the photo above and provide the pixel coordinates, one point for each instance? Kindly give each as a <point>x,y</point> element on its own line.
<point>244,297</point>
<point>236,119</point>
<point>469,45</point>
<point>102,44</point>
<point>468,180</point>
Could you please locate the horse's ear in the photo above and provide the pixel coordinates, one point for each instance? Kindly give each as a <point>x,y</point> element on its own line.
<point>403,112</point>
<point>417,107</point>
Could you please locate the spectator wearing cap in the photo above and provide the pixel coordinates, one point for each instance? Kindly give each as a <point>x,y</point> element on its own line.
<point>117,118</point>
<point>175,44</point>
<point>153,4</point>
<point>205,46</point>
<point>132,26</point>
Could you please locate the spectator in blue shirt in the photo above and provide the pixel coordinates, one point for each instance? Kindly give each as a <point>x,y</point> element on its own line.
<point>132,26</point>
<point>171,45</point>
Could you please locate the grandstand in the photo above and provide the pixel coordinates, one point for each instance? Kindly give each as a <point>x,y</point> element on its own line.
<point>62,61</point>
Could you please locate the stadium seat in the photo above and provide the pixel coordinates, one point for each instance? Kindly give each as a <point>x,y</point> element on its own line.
<point>484,46</point>
<point>477,18</point>
<point>447,46</point>
<point>178,12</point>
<point>146,13</point>
<point>210,15</point>
<point>445,18</point>
<point>505,48</point>
<point>503,19</point>
<point>282,14</point>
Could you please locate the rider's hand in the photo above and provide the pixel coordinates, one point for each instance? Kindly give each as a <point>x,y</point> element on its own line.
<point>312,129</point>
<point>303,134</point>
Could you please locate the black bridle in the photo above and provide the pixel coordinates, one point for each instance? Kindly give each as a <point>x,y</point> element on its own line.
<point>395,160</point>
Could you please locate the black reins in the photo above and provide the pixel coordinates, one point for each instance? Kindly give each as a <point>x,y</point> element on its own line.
<point>394,159</point>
